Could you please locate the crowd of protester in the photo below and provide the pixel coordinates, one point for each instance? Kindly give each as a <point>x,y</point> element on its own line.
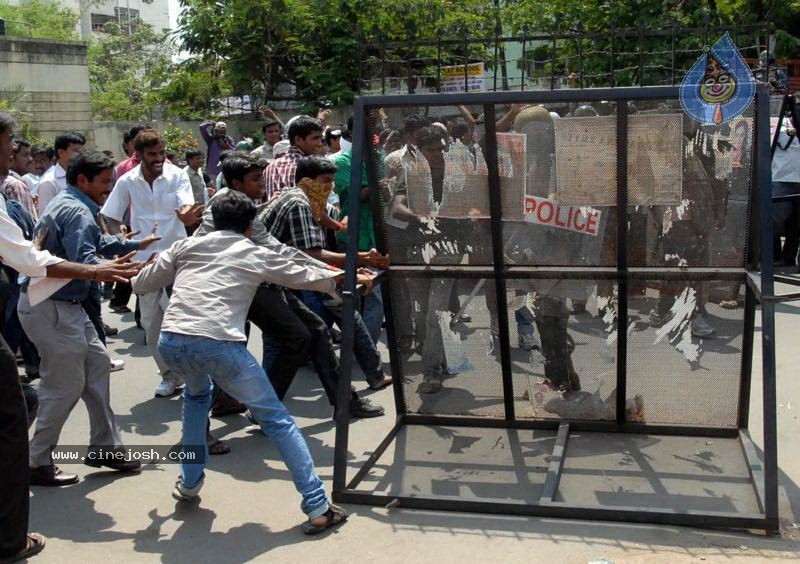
<point>201,246</point>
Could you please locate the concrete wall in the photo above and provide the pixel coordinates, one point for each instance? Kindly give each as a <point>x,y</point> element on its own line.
<point>50,80</point>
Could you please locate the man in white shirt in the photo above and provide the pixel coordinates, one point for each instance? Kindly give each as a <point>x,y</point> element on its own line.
<point>159,195</point>
<point>785,182</point>
<point>41,162</point>
<point>55,179</point>
<point>16,543</point>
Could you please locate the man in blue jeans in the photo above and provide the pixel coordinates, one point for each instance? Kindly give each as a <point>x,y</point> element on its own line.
<point>214,280</point>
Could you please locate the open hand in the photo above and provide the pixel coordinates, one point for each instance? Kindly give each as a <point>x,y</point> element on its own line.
<point>190,215</point>
<point>118,270</point>
<point>150,239</point>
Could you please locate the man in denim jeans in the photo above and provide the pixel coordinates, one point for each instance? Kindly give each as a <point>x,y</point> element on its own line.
<point>214,280</point>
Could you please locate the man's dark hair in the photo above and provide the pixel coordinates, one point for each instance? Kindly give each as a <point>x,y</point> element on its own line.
<point>39,149</point>
<point>413,123</point>
<point>311,167</point>
<point>430,135</point>
<point>20,144</point>
<point>192,153</point>
<point>303,127</point>
<point>89,163</point>
<point>7,122</point>
<point>64,140</point>
<point>237,166</point>
<point>233,211</point>
<point>269,124</point>
<point>459,130</point>
<point>226,154</point>
<point>147,138</point>
<point>131,134</point>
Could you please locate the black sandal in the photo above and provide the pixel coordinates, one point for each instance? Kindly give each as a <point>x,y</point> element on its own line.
<point>217,447</point>
<point>334,516</point>
<point>35,546</point>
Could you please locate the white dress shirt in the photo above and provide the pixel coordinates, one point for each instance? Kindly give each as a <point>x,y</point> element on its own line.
<point>19,253</point>
<point>786,162</point>
<point>53,181</point>
<point>214,280</point>
<point>150,206</point>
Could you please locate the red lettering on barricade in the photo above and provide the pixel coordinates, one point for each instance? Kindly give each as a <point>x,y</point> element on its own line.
<point>542,211</point>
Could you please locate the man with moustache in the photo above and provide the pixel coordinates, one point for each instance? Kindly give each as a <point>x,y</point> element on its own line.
<point>74,363</point>
<point>159,195</point>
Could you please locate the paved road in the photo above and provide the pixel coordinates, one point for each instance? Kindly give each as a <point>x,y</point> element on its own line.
<point>250,511</point>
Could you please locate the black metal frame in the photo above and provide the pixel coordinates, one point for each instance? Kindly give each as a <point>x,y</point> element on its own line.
<point>759,289</point>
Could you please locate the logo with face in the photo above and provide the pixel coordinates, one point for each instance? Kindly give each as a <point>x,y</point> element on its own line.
<point>719,86</point>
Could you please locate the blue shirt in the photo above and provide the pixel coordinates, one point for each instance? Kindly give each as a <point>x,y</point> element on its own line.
<point>68,229</point>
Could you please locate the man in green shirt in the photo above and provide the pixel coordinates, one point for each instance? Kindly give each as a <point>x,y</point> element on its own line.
<point>373,302</point>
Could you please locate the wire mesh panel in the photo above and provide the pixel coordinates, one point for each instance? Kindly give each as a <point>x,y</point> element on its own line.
<point>699,219</point>
<point>685,353</point>
<point>563,348</point>
<point>448,359</point>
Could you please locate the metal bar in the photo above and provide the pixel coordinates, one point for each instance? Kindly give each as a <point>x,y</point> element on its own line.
<point>386,284</point>
<point>786,198</point>
<point>764,192</point>
<point>466,61</point>
<point>580,54</point>
<point>496,208</point>
<point>641,53</point>
<point>624,32</point>
<point>383,68</point>
<point>754,283</point>
<point>622,259</point>
<point>349,297</point>
<point>575,426</point>
<point>613,29</point>
<point>777,134</point>
<point>573,273</point>
<point>529,96</point>
<point>754,466</point>
<point>438,66</point>
<point>556,465</point>
<point>496,58</point>
<point>524,59</point>
<point>672,65</point>
<point>661,516</point>
<point>553,54</point>
<point>747,357</point>
<point>375,456</point>
<point>784,279</point>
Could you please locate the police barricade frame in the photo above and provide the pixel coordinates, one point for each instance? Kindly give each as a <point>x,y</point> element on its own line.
<point>759,289</point>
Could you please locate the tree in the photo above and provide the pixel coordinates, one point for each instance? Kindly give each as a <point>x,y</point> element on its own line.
<point>126,72</point>
<point>313,45</point>
<point>40,19</point>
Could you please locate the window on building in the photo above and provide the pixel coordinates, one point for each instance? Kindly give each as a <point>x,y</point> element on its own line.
<point>127,17</point>
<point>100,20</point>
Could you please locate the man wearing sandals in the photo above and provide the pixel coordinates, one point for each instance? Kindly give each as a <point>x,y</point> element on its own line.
<point>214,280</point>
<point>16,543</point>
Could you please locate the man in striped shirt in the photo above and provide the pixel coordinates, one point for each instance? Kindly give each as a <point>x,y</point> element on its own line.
<point>305,137</point>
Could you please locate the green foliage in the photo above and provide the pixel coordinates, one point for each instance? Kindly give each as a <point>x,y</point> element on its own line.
<point>40,19</point>
<point>15,103</point>
<point>126,72</point>
<point>178,140</point>
<point>313,45</point>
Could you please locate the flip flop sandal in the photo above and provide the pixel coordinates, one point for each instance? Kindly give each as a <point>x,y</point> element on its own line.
<point>333,517</point>
<point>35,546</point>
<point>218,447</point>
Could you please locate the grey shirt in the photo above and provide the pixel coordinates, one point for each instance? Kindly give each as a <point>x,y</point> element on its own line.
<point>214,280</point>
<point>260,236</point>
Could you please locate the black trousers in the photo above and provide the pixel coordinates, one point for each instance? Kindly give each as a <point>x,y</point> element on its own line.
<point>121,295</point>
<point>92,306</point>
<point>14,473</point>
<point>299,332</point>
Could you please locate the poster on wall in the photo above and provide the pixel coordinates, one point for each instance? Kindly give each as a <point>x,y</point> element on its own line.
<point>586,160</point>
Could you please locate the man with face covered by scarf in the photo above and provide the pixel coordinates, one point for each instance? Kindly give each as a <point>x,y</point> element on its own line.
<point>294,218</point>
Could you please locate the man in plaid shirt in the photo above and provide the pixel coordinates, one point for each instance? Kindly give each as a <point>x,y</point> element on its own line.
<point>305,137</point>
<point>291,219</point>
